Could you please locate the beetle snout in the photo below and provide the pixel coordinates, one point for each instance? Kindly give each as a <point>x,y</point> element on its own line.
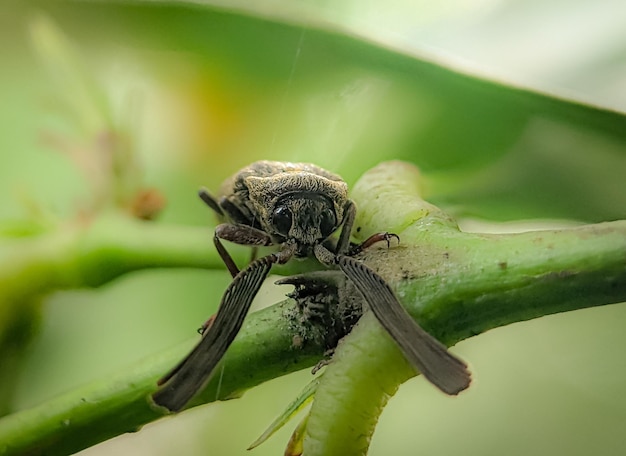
<point>306,228</point>
<point>306,235</point>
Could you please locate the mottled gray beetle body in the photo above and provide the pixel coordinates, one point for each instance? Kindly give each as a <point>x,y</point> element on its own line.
<point>297,207</point>
<point>266,190</point>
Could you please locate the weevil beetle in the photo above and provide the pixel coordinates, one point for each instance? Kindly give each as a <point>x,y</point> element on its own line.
<point>297,207</point>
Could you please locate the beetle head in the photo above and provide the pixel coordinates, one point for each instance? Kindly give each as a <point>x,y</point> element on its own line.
<point>306,218</point>
<point>302,207</point>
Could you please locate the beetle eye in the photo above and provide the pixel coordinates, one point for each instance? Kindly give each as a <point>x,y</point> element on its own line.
<point>328,222</point>
<point>281,219</point>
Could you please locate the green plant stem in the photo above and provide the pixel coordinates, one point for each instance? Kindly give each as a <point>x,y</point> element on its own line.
<point>456,284</point>
<point>366,371</point>
<point>93,253</point>
<point>83,253</point>
<point>120,404</point>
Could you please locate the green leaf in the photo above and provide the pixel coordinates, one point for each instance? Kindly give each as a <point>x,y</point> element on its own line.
<point>301,401</point>
<point>302,88</point>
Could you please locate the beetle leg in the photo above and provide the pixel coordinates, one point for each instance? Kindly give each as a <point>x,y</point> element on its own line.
<point>426,353</point>
<point>225,208</point>
<point>243,235</point>
<point>235,214</point>
<point>325,361</point>
<point>373,239</point>
<point>225,256</point>
<point>343,245</point>
<point>206,325</point>
<point>348,222</point>
<point>314,280</point>
<point>192,373</point>
<point>210,201</point>
<point>324,256</point>
<point>239,234</point>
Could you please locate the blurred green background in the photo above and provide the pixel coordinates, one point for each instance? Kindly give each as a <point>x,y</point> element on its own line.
<point>204,90</point>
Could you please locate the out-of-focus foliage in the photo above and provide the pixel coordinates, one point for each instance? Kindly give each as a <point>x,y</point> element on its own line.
<point>208,90</point>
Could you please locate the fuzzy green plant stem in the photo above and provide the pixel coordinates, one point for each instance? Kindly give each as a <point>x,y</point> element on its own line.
<point>120,403</point>
<point>456,284</point>
<point>93,252</point>
<point>86,252</point>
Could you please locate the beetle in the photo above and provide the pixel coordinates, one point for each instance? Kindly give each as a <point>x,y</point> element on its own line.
<point>297,207</point>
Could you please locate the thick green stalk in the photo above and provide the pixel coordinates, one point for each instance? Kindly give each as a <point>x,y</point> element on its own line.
<point>83,253</point>
<point>119,404</point>
<point>456,285</point>
<point>366,371</point>
<point>91,253</point>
